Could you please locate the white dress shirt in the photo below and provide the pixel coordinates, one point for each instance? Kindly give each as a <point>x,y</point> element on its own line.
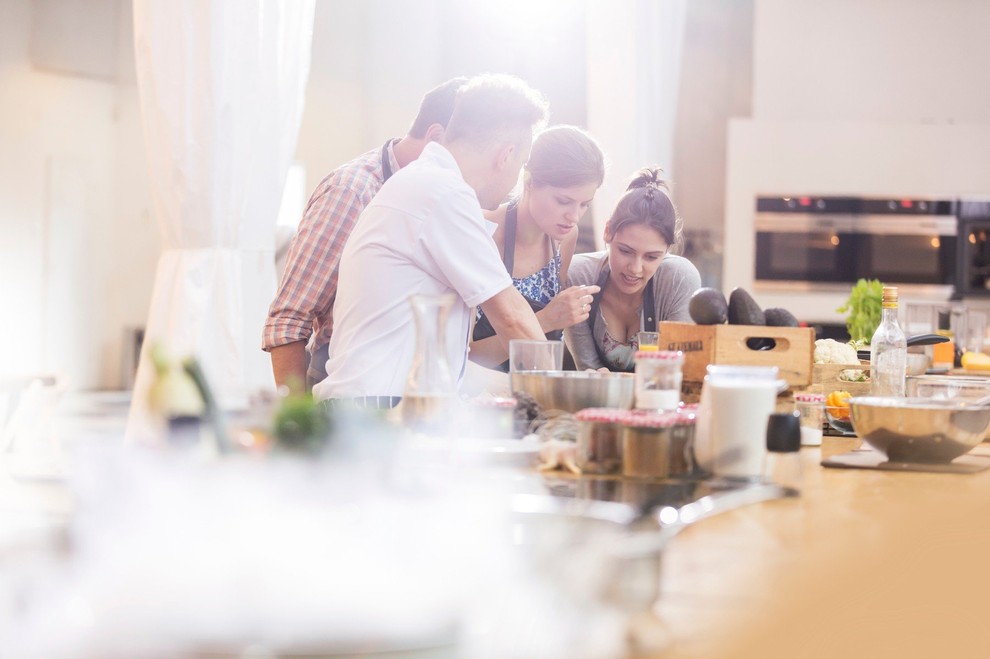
<point>423,234</point>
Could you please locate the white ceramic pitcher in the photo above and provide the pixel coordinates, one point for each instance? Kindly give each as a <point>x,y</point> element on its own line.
<point>731,426</point>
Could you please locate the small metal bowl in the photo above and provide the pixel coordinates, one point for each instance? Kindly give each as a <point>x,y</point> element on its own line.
<point>917,363</point>
<point>919,429</point>
<point>839,418</point>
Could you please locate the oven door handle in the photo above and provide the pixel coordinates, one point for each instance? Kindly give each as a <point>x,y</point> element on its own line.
<point>886,225</point>
<point>803,223</point>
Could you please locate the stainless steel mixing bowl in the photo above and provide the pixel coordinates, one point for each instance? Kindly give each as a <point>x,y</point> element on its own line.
<point>571,391</point>
<point>958,387</point>
<point>919,429</point>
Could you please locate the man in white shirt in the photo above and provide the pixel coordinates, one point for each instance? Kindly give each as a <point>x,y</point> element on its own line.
<point>424,234</point>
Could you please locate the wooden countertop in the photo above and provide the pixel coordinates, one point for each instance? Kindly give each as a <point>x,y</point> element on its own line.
<point>866,563</point>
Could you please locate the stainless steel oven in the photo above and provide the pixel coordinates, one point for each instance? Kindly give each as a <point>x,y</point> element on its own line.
<point>815,242</point>
<point>973,248</point>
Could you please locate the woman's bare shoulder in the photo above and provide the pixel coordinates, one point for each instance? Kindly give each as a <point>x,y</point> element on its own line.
<point>497,216</point>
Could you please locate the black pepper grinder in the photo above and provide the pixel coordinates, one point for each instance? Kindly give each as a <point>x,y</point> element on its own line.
<point>783,462</point>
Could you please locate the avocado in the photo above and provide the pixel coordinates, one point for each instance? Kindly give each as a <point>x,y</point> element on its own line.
<point>743,309</point>
<point>708,307</point>
<point>777,317</point>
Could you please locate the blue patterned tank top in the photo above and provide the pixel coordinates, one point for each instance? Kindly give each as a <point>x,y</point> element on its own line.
<point>539,287</point>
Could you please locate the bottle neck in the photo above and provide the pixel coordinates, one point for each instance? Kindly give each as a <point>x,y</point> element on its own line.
<point>889,315</point>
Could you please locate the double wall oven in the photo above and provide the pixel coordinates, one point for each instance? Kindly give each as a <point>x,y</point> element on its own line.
<point>829,242</point>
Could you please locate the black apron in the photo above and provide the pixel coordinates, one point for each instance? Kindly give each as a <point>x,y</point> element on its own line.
<point>386,165</point>
<point>483,328</point>
<point>649,313</point>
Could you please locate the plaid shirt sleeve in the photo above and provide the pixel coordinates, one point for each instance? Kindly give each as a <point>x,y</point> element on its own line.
<point>309,283</point>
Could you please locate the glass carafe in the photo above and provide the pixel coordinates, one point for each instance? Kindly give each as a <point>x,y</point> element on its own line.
<point>430,396</point>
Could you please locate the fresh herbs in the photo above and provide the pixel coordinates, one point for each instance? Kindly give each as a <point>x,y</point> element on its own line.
<point>865,309</point>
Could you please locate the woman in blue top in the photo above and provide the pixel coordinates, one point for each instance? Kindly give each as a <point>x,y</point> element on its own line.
<point>642,282</point>
<point>537,232</point>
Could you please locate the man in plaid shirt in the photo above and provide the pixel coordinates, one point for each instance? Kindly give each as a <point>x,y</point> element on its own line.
<point>303,307</point>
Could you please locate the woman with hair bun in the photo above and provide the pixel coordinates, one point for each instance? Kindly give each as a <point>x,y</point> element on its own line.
<point>537,232</point>
<point>641,282</point>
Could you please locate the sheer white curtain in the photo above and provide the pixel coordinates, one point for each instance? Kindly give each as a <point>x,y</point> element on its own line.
<point>221,84</point>
<point>634,70</point>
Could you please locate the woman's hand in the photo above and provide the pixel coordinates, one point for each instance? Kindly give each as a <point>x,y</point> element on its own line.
<point>570,306</point>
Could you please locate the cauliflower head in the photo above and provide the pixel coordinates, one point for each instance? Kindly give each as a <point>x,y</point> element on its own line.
<point>830,351</point>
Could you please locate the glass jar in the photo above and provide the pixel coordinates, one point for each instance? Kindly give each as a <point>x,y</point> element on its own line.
<point>599,448</point>
<point>657,444</point>
<point>811,408</point>
<point>658,379</point>
<point>491,417</point>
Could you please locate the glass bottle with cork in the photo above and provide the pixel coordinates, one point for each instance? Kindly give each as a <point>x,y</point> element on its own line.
<point>888,350</point>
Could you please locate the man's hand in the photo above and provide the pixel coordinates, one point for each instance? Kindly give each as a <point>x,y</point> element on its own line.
<point>570,306</point>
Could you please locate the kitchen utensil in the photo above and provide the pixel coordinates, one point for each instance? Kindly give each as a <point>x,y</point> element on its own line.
<point>916,340</point>
<point>975,461</point>
<point>948,386</point>
<point>571,391</point>
<point>611,552</point>
<point>526,355</point>
<point>657,445</point>
<point>600,440</point>
<point>658,379</point>
<point>811,410</point>
<point>838,418</point>
<point>920,429</point>
<point>648,341</point>
<point>917,363</point>
<point>730,437</point>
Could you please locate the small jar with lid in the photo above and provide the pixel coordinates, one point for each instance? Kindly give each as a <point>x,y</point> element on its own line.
<point>658,379</point>
<point>657,444</point>
<point>599,449</point>
<point>811,408</point>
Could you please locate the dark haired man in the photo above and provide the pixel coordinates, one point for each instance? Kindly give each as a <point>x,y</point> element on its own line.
<point>303,307</point>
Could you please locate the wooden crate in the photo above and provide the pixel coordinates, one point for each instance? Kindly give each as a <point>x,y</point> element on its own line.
<point>826,379</point>
<point>793,352</point>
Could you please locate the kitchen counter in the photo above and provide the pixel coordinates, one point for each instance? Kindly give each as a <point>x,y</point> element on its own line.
<point>865,563</point>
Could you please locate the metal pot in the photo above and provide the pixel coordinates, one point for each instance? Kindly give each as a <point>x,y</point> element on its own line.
<point>611,552</point>
<point>571,391</point>
<point>916,340</point>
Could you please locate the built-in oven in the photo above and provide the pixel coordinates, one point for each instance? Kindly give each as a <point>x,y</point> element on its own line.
<point>973,249</point>
<point>829,241</point>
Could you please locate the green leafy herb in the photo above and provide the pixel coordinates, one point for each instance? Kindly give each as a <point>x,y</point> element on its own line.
<point>302,423</point>
<point>865,309</point>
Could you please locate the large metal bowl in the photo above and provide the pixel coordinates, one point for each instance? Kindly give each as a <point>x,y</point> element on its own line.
<point>919,429</point>
<point>957,387</point>
<point>571,391</point>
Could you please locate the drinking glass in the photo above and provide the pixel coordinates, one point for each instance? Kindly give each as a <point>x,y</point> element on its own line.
<point>527,355</point>
<point>649,341</point>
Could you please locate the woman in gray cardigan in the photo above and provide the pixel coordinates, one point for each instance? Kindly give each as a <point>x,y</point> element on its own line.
<point>641,282</point>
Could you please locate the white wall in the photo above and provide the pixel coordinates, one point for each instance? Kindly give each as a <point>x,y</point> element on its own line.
<point>915,61</point>
<point>70,184</point>
<point>879,98</point>
<point>371,64</point>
